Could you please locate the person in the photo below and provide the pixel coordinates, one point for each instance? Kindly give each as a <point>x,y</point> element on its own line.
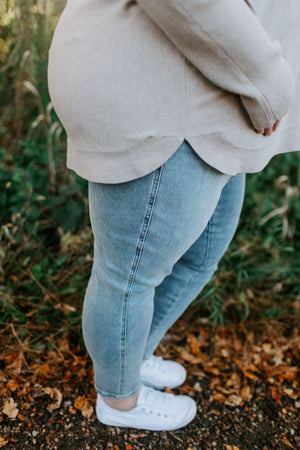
<point>167,105</point>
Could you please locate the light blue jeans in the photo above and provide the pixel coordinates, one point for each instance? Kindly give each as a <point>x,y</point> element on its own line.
<point>157,242</point>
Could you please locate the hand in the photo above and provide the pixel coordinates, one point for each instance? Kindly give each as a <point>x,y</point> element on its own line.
<point>270,130</point>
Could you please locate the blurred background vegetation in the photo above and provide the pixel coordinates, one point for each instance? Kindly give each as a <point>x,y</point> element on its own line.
<point>46,241</point>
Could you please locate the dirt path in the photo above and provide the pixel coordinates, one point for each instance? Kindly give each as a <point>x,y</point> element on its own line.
<point>247,391</point>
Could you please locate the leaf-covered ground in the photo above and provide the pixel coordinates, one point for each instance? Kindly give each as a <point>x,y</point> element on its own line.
<point>245,379</point>
<point>244,376</point>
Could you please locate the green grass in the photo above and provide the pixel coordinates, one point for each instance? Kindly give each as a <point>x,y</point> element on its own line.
<point>46,247</point>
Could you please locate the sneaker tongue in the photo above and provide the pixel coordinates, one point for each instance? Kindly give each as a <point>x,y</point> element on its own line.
<point>143,395</point>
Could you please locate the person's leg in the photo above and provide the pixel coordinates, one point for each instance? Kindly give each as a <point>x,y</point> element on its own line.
<point>141,228</point>
<point>195,268</point>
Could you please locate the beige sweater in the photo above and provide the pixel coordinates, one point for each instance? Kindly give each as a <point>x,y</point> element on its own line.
<point>130,80</point>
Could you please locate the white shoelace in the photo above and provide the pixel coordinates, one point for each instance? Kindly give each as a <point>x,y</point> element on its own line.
<point>155,402</point>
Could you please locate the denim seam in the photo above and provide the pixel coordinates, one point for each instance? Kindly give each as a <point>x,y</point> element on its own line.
<point>207,242</point>
<point>134,267</point>
<point>117,396</point>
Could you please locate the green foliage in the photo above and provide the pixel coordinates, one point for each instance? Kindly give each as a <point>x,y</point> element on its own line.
<point>46,241</point>
<point>260,271</point>
<point>26,28</point>
<point>26,190</point>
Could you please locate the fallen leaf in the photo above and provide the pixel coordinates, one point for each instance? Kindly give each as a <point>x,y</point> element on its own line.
<point>12,385</point>
<point>85,407</point>
<point>67,377</point>
<point>288,373</point>
<point>169,391</point>
<point>237,345</point>
<point>267,348</point>
<point>135,436</point>
<point>213,370</point>
<point>10,408</point>
<point>248,372</point>
<point>246,393</point>
<point>232,447</point>
<point>3,441</point>
<point>234,381</point>
<point>225,353</point>
<point>56,395</point>
<point>79,402</point>
<point>194,345</point>
<point>275,395</point>
<point>219,398</point>
<point>44,370</point>
<point>287,442</point>
<point>290,393</point>
<point>234,400</point>
<point>72,410</point>
<point>2,376</point>
<point>185,355</point>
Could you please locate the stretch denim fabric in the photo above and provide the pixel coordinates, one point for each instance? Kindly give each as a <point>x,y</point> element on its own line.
<point>157,242</point>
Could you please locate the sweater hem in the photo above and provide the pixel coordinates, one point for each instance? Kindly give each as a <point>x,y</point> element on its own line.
<point>121,166</point>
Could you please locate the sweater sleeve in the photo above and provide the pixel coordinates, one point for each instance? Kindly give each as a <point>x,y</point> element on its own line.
<point>226,42</point>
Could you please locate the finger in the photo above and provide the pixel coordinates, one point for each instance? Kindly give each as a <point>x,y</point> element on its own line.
<point>275,126</point>
<point>261,131</point>
<point>268,131</point>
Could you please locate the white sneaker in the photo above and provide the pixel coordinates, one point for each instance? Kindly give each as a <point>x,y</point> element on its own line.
<point>154,410</point>
<point>158,373</point>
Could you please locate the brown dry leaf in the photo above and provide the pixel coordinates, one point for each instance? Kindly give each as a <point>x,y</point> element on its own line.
<point>85,407</point>
<point>204,334</point>
<point>169,391</point>
<point>225,353</point>
<point>287,442</point>
<point>79,402</point>
<point>213,370</point>
<point>185,355</point>
<point>234,381</point>
<point>237,345</point>
<point>17,362</point>
<point>234,400</point>
<point>135,436</point>
<point>246,371</point>
<point>246,393</point>
<point>267,348</point>
<point>275,395</point>
<point>44,370</point>
<point>290,393</point>
<point>10,408</point>
<point>128,447</point>
<point>3,441</point>
<point>67,377</point>
<point>12,385</point>
<point>219,398</point>
<point>2,376</point>
<point>214,383</point>
<point>231,447</point>
<point>194,345</point>
<point>56,395</point>
<point>64,345</point>
<point>72,410</point>
<point>288,372</point>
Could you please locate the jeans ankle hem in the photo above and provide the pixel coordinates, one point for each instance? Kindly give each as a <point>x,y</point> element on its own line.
<point>116,396</point>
